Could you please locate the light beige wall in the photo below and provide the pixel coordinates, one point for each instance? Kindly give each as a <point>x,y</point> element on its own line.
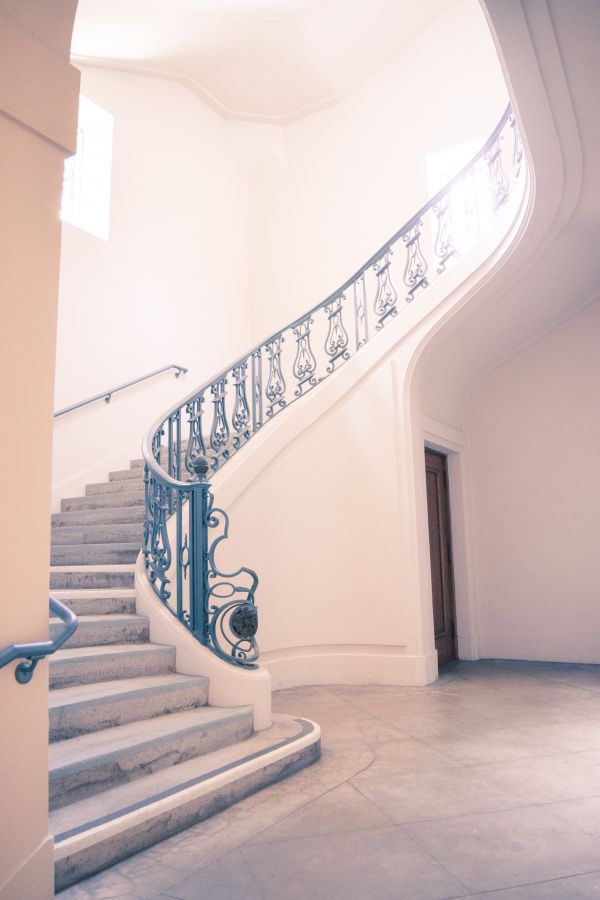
<point>533,431</point>
<point>38,97</point>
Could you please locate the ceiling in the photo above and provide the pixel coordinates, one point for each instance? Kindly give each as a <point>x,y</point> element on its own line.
<point>262,60</point>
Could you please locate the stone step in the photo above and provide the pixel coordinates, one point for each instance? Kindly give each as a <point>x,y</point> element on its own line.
<point>90,554</point>
<point>98,602</point>
<point>137,463</point>
<point>129,533</point>
<point>93,577</point>
<point>136,474</point>
<point>90,665</point>
<point>103,501</point>
<point>113,487</point>
<point>113,516</point>
<point>83,766</point>
<point>97,832</point>
<point>93,707</point>
<point>96,631</point>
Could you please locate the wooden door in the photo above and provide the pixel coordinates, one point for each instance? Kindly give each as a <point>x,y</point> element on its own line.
<point>440,549</point>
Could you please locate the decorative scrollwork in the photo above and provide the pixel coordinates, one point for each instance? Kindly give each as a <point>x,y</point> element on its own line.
<point>415,270</point>
<point>498,178</point>
<point>360,311</point>
<point>336,342</point>
<point>386,296</point>
<point>195,445</point>
<point>275,389</point>
<point>305,362</point>
<point>232,614</point>
<point>240,418</point>
<point>219,432</point>
<point>443,246</point>
<point>157,546</point>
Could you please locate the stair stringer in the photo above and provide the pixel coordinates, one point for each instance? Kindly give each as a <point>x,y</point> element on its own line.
<point>391,657</point>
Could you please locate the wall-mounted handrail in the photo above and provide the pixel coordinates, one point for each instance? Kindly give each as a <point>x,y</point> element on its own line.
<point>32,653</point>
<point>208,427</point>
<point>106,395</point>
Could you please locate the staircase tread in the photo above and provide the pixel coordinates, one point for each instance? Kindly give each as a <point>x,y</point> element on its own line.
<point>88,748</point>
<point>101,690</point>
<point>94,593</point>
<point>107,650</point>
<point>108,545</point>
<point>111,618</point>
<point>85,813</point>
<point>94,567</point>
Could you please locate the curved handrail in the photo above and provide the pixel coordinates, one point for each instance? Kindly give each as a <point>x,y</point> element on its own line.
<point>431,204</point>
<point>106,395</point>
<point>32,653</point>
<point>219,607</point>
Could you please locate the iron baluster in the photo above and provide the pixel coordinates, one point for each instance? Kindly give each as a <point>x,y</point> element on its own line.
<point>386,297</point>
<point>361,322</point>
<point>219,432</point>
<point>336,342</point>
<point>305,363</point>
<point>443,246</point>
<point>240,418</point>
<point>195,445</point>
<point>182,562</point>
<point>276,386</point>
<point>257,390</point>
<point>498,178</point>
<point>415,270</point>
<point>158,550</point>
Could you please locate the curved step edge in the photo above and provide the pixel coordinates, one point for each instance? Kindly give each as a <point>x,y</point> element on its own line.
<point>267,757</point>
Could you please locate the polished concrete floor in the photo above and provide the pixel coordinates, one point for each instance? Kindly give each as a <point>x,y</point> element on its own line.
<point>486,783</point>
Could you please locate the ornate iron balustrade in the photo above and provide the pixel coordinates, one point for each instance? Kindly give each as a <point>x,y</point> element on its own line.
<point>183,529</point>
<point>30,654</point>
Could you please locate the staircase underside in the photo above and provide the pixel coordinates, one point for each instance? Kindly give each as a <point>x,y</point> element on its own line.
<point>136,754</point>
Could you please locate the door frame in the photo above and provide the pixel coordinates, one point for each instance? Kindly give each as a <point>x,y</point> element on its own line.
<point>450,441</point>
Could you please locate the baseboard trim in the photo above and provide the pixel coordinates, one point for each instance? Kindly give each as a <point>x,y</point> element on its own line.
<point>304,666</point>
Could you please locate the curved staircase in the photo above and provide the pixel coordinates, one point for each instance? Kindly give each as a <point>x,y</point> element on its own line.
<point>136,754</point>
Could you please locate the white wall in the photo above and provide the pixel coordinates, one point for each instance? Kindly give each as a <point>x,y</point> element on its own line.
<point>353,174</point>
<point>533,431</point>
<point>170,285</point>
<point>222,231</point>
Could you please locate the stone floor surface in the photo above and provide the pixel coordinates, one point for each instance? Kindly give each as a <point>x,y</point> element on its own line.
<point>484,784</point>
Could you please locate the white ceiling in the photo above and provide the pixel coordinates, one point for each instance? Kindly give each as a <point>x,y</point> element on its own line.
<point>264,60</point>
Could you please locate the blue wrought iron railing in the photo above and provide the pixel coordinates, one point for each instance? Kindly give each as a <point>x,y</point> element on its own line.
<point>32,653</point>
<point>183,529</point>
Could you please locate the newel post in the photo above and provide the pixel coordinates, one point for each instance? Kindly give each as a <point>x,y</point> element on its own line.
<point>199,592</point>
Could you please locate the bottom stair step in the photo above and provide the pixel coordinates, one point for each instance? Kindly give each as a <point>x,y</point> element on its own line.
<point>97,832</point>
<point>85,765</point>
